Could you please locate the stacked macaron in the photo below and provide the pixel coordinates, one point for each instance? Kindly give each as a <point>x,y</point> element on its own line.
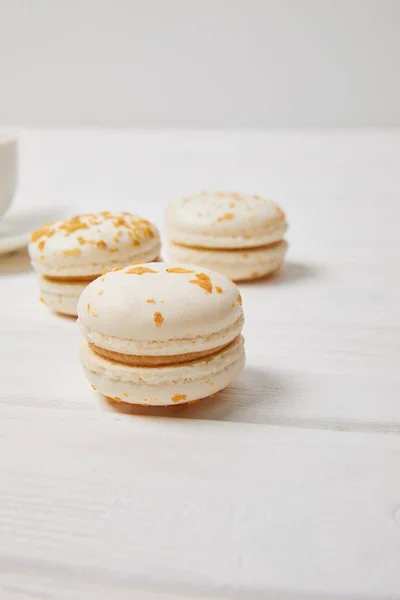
<point>240,236</point>
<point>71,253</point>
<point>161,334</point>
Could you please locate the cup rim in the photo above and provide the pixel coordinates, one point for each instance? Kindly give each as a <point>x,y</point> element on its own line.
<point>7,136</point>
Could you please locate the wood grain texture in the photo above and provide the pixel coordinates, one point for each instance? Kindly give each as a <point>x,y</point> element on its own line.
<point>246,495</point>
<point>223,508</point>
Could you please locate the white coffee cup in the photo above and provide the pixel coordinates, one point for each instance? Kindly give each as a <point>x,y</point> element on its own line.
<point>8,169</point>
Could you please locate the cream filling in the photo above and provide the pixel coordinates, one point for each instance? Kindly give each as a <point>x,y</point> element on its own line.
<point>153,361</point>
<point>71,280</point>
<point>231,256</point>
<point>163,347</point>
<point>171,374</point>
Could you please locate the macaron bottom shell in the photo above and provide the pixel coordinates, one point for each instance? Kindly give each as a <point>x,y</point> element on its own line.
<point>164,386</point>
<point>61,297</point>
<point>237,265</point>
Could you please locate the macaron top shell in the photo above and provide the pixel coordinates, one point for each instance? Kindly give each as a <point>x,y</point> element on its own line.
<point>160,309</point>
<point>224,220</point>
<point>87,244</point>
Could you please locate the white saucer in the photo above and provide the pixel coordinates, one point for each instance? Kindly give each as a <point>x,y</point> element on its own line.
<point>16,227</point>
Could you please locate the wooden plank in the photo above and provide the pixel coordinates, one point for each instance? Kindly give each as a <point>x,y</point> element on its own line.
<point>232,509</point>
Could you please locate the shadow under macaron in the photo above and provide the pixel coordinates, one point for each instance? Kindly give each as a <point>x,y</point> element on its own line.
<point>237,402</point>
<point>290,272</point>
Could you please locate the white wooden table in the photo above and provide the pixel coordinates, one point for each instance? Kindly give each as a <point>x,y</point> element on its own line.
<point>285,486</point>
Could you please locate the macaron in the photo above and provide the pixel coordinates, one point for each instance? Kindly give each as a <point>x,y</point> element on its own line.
<point>71,253</point>
<point>160,334</point>
<point>240,236</point>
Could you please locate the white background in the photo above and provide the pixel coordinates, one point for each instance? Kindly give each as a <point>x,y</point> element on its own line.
<point>200,63</point>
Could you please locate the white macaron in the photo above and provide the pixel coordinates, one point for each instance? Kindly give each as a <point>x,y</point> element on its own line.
<point>161,334</point>
<point>69,254</point>
<point>240,236</point>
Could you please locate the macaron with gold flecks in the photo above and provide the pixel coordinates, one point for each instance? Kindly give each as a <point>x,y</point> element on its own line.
<point>240,236</point>
<point>160,334</point>
<point>71,253</point>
